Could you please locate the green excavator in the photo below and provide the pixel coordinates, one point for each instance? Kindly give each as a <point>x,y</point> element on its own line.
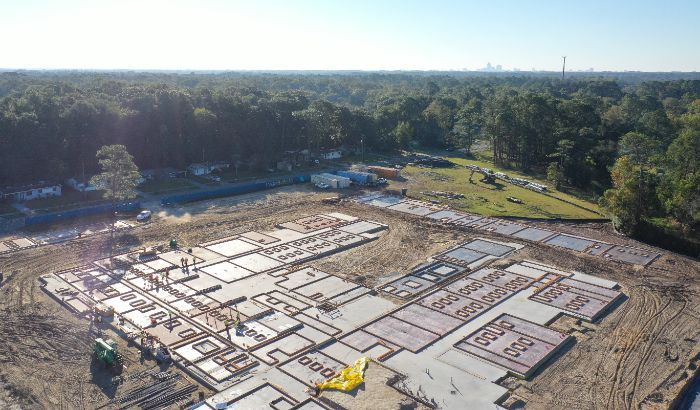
<point>106,352</point>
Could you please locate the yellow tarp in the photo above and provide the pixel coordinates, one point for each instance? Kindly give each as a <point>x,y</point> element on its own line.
<point>349,378</point>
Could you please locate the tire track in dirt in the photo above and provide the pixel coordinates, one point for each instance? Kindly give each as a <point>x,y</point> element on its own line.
<point>613,340</point>
<point>648,350</point>
<point>622,339</point>
<point>630,347</point>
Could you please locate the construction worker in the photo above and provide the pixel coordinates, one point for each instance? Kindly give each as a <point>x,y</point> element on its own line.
<point>226,324</point>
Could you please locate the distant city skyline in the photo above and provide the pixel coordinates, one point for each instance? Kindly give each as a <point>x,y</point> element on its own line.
<point>447,35</point>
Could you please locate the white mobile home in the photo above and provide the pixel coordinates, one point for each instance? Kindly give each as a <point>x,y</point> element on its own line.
<point>29,192</point>
<point>198,169</point>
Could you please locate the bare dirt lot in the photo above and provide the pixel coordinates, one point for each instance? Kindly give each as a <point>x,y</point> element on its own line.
<point>639,355</point>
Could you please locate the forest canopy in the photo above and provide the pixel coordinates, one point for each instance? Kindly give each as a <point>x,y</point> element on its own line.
<point>577,130</point>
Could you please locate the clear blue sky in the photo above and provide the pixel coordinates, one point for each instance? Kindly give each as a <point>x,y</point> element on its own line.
<point>353,34</point>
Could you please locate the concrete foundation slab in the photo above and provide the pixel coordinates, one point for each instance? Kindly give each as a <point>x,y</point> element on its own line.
<point>312,223</point>
<point>22,243</point>
<point>259,238</point>
<point>595,280</point>
<point>227,271</point>
<point>570,242</point>
<point>341,238</point>
<point>256,262</point>
<point>315,245</point>
<point>363,342</point>
<point>173,331</point>
<point>482,292</point>
<point>408,286</point>
<point>160,264</point>
<point>147,315</point>
<point>579,299</point>
<point>513,343</point>
<point>282,302</point>
<point>233,247</point>
<point>534,234</point>
<point>504,279</point>
<point>599,248</point>
<point>503,227</point>
<point>628,254</point>
<point>488,247</point>
<point>286,235</point>
<point>413,208</point>
<point>251,334</point>
<point>401,333</point>
<point>312,368</point>
<point>197,349</point>
<point>341,216</point>
<point>265,396</point>
<point>447,215</point>
<point>300,277</point>
<point>461,256</point>
<point>384,201</point>
<point>472,221</point>
<point>286,253</point>
<point>280,322</point>
<point>326,288</point>
<point>427,319</point>
<point>458,306</point>
<point>362,227</point>
<point>282,349</point>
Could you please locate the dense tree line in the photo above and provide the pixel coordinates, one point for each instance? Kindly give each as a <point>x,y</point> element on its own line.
<point>576,131</point>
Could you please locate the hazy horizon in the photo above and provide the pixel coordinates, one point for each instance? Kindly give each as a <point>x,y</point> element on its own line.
<point>311,35</point>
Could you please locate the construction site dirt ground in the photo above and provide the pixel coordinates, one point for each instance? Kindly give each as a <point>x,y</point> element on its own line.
<point>641,354</point>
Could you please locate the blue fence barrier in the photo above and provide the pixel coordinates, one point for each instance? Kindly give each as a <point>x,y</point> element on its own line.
<point>80,212</point>
<point>233,190</point>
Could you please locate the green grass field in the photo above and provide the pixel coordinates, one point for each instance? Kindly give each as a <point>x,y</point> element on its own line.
<point>69,199</point>
<point>487,199</point>
<point>166,186</point>
<point>8,211</point>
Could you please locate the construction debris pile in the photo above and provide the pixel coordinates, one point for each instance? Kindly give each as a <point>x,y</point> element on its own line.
<point>441,194</point>
<point>534,186</point>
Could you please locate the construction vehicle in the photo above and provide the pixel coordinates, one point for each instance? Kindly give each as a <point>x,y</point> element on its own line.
<point>162,354</point>
<point>104,310</point>
<point>106,352</point>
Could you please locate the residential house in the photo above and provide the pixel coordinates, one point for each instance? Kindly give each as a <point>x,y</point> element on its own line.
<point>219,166</point>
<point>80,186</point>
<point>206,169</point>
<point>28,192</point>
<point>331,154</point>
<point>198,169</point>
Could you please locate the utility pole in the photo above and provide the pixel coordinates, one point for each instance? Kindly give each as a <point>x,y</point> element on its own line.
<point>563,67</point>
<point>362,143</point>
